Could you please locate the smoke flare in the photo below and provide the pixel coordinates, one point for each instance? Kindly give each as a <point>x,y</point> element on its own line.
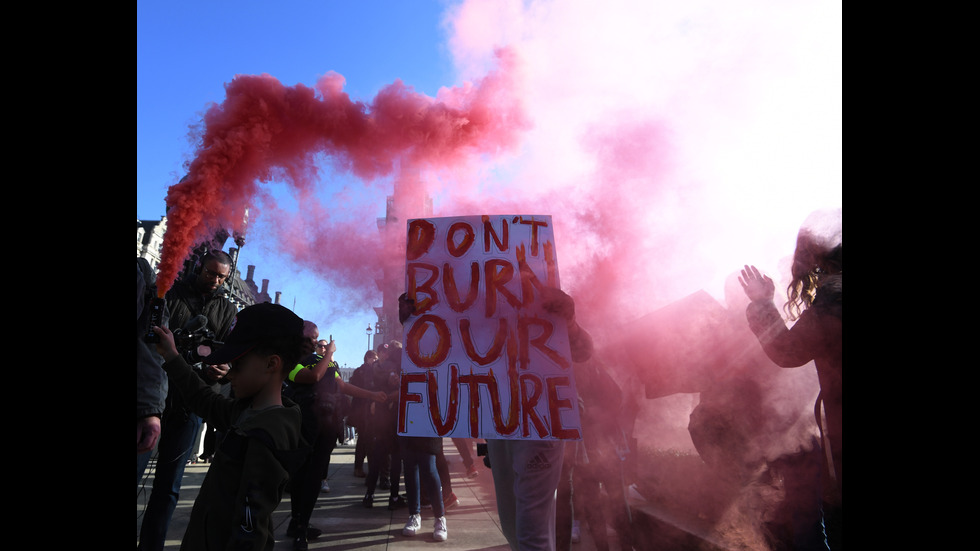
<point>265,131</point>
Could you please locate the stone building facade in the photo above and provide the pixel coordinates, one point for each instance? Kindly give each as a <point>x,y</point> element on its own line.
<point>242,292</point>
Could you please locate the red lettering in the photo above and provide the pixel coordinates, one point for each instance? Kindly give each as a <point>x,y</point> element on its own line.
<point>496,347</point>
<point>415,334</point>
<point>529,280</point>
<point>459,249</point>
<point>497,272</point>
<point>535,224</point>
<point>489,234</point>
<point>540,341</point>
<point>551,264</point>
<point>513,413</point>
<point>452,293</point>
<point>444,427</point>
<point>421,234</point>
<point>407,397</point>
<point>473,383</point>
<point>520,342</point>
<point>555,404</point>
<point>509,426</point>
<point>529,400</point>
<point>414,288</point>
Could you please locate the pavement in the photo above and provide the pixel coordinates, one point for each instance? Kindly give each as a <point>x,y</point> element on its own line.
<point>346,524</point>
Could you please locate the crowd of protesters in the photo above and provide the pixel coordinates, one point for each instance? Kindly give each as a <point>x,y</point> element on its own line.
<point>274,398</point>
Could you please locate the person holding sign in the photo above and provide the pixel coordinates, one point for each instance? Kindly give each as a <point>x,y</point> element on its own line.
<point>526,472</point>
<point>488,354</point>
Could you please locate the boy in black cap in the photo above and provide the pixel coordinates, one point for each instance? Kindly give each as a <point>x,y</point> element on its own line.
<point>245,483</point>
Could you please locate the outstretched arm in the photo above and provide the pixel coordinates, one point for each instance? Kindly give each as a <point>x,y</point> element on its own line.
<point>358,392</point>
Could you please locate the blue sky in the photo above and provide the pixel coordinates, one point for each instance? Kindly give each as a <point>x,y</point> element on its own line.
<point>187,50</point>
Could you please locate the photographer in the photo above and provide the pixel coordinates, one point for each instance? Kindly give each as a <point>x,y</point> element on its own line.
<point>197,295</point>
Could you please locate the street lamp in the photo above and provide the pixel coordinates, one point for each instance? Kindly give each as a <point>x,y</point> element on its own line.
<point>369,336</point>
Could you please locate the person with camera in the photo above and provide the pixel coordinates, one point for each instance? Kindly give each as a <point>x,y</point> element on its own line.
<point>198,295</point>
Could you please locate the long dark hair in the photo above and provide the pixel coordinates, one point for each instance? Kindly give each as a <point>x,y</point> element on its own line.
<point>811,262</point>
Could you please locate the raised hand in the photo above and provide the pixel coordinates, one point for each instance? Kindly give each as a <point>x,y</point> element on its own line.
<point>757,287</point>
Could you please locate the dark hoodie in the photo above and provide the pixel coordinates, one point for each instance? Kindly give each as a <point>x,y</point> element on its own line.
<point>251,466</point>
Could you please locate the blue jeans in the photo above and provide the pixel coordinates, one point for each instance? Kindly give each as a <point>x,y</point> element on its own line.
<point>421,466</point>
<point>177,436</point>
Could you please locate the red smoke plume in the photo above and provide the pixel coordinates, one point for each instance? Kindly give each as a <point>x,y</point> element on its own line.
<point>265,131</point>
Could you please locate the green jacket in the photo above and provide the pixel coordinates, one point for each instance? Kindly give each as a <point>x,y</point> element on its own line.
<point>251,466</point>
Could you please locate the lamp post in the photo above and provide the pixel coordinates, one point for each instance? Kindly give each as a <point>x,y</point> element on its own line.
<point>369,336</point>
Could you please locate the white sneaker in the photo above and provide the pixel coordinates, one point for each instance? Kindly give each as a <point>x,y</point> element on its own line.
<point>324,487</point>
<point>440,533</point>
<point>413,526</point>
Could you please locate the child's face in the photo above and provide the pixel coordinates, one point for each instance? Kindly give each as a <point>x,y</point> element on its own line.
<point>250,373</point>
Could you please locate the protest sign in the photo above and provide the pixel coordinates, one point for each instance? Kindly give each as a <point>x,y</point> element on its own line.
<point>482,356</point>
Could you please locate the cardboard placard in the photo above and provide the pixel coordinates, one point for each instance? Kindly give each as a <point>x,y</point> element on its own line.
<point>482,357</point>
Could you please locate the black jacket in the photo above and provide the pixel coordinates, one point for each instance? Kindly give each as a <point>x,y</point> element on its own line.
<point>252,464</point>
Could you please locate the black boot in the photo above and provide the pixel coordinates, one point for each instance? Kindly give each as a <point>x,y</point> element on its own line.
<point>396,502</point>
<point>293,530</point>
<point>299,540</point>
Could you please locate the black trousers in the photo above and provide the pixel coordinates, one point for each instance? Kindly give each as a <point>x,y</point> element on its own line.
<point>307,488</point>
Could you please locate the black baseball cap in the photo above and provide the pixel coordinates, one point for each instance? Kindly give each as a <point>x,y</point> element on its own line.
<point>253,325</point>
